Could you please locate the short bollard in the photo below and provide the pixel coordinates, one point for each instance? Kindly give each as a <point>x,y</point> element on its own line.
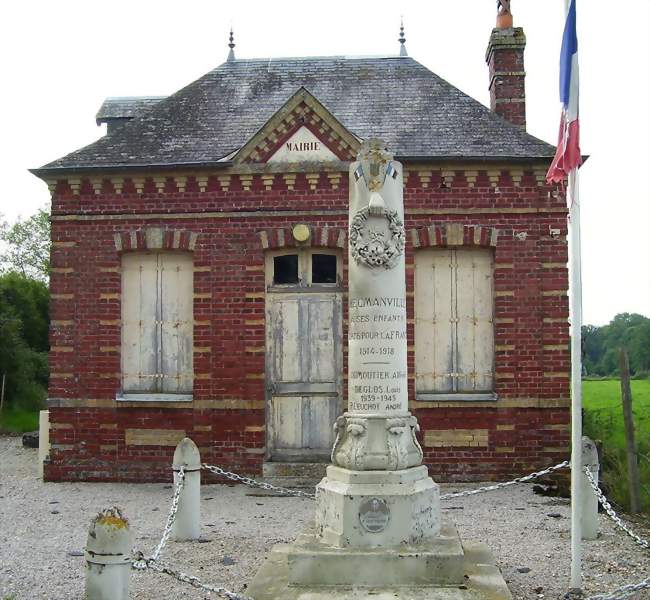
<point>589,509</point>
<point>187,525</point>
<point>108,556</point>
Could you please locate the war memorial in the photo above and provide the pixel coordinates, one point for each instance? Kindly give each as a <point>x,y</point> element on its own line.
<point>378,528</point>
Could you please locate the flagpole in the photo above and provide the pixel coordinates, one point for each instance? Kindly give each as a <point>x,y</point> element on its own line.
<point>575,315</point>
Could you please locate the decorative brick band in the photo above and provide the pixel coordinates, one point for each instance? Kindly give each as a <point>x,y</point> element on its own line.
<point>325,237</point>
<point>258,175</point>
<point>155,238</point>
<point>454,234</point>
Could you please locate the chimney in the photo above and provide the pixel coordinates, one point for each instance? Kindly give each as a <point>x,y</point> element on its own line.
<point>505,59</point>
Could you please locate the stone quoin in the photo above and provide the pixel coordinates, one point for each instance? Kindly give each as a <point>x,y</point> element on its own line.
<point>199,281</point>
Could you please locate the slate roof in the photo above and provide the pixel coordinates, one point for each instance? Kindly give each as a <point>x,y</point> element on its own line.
<point>418,113</point>
<point>125,107</point>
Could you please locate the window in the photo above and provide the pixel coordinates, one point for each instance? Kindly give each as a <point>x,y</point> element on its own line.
<point>323,268</point>
<point>285,269</point>
<point>157,325</point>
<point>454,330</point>
<point>303,269</point>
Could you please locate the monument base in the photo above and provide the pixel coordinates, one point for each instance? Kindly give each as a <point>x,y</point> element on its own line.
<point>481,579</point>
<point>377,508</point>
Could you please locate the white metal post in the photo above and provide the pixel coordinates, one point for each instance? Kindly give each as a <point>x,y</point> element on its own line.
<point>575,315</point>
<point>187,525</point>
<point>108,556</point>
<point>589,509</point>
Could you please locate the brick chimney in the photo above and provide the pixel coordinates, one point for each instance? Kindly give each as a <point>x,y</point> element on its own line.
<point>505,59</point>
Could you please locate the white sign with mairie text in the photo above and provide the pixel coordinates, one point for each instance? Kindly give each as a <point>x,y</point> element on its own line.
<point>303,146</point>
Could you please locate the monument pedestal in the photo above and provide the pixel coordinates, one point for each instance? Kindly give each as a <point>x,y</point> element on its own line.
<point>379,536</point>
<point>372,509</point>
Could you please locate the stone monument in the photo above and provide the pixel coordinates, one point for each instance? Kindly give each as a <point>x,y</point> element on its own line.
<point>378,531</point>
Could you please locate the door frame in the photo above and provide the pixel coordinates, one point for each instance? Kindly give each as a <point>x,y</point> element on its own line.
<point>305,286</point>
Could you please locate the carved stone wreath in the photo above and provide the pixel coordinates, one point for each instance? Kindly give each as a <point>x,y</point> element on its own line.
<point>371,248</point>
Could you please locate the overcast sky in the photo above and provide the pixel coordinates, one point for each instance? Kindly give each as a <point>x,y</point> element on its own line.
<point>61,59</point>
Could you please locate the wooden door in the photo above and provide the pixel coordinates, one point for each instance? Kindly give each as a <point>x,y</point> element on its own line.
<point>304,374</point>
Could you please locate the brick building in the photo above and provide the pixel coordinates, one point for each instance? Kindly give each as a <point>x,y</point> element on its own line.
<point>199,271</point>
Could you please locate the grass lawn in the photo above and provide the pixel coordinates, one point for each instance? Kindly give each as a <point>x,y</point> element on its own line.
<point>602,400</point>
<point>17,421</point>
<point>603,420</point>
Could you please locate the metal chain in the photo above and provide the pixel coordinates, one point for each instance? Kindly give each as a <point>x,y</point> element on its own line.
<point>623,592</point>
<point>142,563</point>
<point>612,514</point>
<point>257,484</point>
<point>171,517</point>
<point>498,486</point>
<point>180,484</point>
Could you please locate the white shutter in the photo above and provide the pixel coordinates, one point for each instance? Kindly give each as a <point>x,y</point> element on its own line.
<point>483,320</point>
<point>434,339</point>
<point>474,318</point>
<point>140,339</point>
<point>454,332</point>
<point>176,290</point>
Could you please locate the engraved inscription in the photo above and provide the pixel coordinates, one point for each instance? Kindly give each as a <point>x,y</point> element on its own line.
<point>377,338</point>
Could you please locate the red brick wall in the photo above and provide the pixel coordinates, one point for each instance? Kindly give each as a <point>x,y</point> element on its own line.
<point>527,426</point>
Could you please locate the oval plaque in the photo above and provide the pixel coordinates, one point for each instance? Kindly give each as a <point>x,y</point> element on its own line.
<point>374,515</point>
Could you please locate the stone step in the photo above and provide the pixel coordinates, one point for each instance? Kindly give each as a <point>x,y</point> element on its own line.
<point>439,561</point>
<point>482,581</point>
<point>295,470</point>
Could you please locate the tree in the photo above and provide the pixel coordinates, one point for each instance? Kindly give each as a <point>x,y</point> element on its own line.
<point>602,345</point>
<point>27,246</point>
<point>23,340</point>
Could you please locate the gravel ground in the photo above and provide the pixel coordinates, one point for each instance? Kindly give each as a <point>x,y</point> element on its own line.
<point>44,526</point>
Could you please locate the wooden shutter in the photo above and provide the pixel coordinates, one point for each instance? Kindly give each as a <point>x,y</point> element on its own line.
<point>454,336</point>
<point>474,310</point>
<point>434,339</point>
<point>140,339</point>
<point>157,323</point>
<point>176,321</point>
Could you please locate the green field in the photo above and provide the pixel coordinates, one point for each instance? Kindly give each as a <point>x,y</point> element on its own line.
<point>603,420</point>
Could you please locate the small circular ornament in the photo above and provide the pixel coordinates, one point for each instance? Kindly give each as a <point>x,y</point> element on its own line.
<point>372,247</point>
<point>301,232</point>
<point>374,515</point>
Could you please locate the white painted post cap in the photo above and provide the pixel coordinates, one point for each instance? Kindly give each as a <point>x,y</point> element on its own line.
<point>187,455</point>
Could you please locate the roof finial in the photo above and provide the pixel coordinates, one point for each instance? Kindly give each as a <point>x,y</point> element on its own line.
<point>504,15</point>
<point>402,39</point>
<point>231,45</point>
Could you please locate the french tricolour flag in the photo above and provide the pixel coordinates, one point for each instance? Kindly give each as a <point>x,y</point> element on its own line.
<point>567,155</point>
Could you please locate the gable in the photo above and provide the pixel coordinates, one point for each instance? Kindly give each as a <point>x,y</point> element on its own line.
<point>302,130</point>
